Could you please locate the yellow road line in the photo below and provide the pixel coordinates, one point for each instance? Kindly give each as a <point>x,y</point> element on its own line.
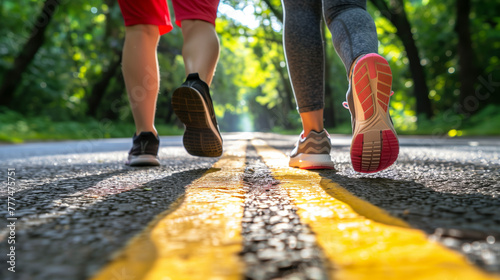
<point>360,240</point>
<point>199,237</point>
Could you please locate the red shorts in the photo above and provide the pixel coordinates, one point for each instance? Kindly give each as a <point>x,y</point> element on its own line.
<point>155,12</point>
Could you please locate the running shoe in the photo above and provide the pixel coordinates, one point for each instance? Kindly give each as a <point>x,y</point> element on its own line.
<point>375,144</point>
<point>312,152</point>
<point>193,105</point>
<point>144,150</point>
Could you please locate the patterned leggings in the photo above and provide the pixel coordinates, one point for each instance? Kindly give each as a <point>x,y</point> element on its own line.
<point>353,31</point>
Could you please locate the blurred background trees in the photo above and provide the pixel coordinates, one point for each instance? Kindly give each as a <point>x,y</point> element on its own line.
<point>60,69</point>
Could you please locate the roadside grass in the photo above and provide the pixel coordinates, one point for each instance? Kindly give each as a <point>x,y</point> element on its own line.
<point>483,123</point>
<point>14,128</point>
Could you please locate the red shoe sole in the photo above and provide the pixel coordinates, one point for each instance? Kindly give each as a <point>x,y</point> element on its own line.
<point>375,145</point>
<point>374,156</point>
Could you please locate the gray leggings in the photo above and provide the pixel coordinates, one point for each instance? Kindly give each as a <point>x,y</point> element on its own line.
<point>353,32</point>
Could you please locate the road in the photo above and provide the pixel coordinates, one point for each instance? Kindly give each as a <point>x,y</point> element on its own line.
<point>80,213</point>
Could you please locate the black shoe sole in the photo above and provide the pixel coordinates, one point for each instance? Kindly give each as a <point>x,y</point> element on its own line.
<point>143,160</point>
<point>202,137</point>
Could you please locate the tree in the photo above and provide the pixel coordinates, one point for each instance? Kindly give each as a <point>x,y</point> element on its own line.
<point>37,38</point>
<point>99,88</point>
<point>468,71</point>
<point>329,112</point>
<point>396,14</point>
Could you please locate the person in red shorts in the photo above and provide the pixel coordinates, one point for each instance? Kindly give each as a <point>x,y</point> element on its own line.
<point>145,22</point>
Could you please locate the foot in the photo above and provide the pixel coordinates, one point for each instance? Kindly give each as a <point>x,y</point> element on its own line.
<point>312,152</point>
<point>144,150</point>
<point>374,144</point>
<point>193,105</point>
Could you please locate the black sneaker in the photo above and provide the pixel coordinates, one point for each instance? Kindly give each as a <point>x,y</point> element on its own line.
<point>193,105</point>
<point>144,150</point>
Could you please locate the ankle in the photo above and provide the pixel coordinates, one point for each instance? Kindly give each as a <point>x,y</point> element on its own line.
<point>306,132</point>
<point>312,120</point>
<point>139,131</point>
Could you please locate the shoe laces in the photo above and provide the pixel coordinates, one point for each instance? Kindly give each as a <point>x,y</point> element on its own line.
<point>346,105</point>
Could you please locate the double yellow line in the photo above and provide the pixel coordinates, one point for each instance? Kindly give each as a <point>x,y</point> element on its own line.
<point>199,237</point>
<point>360,240</point>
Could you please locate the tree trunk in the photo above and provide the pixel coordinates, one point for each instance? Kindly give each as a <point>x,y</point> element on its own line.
<point>396,14</point>
<point>287,88</point>
<point>116,109</point>
<point>99,88</point>
<point>274,10</point>
<point>329,109</point>
<point>12,77</point>
<point>286,95</point>
<point>169,118</point>
<point>468,71</point>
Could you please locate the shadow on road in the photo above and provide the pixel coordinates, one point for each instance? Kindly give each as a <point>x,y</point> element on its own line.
<point>77,243</point>
<point>465,222</point>
<point>55,190</point>
<point>422,207</point>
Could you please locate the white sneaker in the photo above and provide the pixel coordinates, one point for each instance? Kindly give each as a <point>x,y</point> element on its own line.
<point>312,152</point>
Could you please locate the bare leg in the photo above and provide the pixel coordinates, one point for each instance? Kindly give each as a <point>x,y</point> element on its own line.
<point>200,49</point>
<point>312,120</point>
<point>141,74</point>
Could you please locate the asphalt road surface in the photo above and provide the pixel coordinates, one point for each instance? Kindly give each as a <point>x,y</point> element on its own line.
<point>74,204</point>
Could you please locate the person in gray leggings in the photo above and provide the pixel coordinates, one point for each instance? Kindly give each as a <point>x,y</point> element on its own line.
<point>374,144</point>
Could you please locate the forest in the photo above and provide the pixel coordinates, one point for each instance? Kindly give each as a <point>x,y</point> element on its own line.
<point>60,69</point>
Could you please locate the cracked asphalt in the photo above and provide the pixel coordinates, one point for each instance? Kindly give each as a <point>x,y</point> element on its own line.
<point>77,203</point>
